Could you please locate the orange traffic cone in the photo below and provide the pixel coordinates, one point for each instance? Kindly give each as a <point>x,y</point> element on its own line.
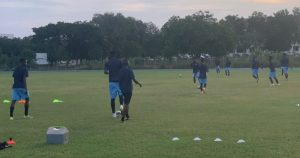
<point>11,142</point>
<point>22,101</point>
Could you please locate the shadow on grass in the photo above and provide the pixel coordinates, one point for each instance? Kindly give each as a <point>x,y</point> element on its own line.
<point>45,146</point>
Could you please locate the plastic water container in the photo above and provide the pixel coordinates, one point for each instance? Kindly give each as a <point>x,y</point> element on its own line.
<point>57,135</point>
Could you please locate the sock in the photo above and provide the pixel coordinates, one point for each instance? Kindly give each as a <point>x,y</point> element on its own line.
<point>201,87</point>
<point>113,106</point>
<point>271,80</point>
<point>205,85</point>
<point>121,99</point>
<point>26,109</point>
<point>12,111</point>
<point>126,110</point>
<point>276,80</point>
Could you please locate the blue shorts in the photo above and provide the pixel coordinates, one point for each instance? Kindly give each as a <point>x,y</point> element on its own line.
<point>272,74</point>
<point>285,69</point>
<point>114,90</point>
<point>19,94</point>
<point>227,68</point>
<point>255,72</point>
<point>196,74</point>
<point>202,80</point>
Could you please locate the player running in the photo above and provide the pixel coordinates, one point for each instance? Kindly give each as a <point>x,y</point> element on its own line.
<point>285,66</point>
<point>112,68</point>
<point>126,76</point>
<point>203,69</point>
<point>255,67</point>
<point>195,66</point>
<point>272,74</point>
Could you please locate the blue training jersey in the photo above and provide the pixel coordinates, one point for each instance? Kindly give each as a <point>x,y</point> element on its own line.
<point>195,66</point>
<point>203,69</point>
<point>126,76</point>
<point>228,63</point>
<point>19,75</point>
<point>285,62</point>
<point>113,67</point>
<point>271,66</point>
<point>255,64</point>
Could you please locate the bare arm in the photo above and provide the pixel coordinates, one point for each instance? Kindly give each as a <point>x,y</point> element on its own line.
<point>25,83</point>
<point>106,71</point>
<point>24,78</point>
<point>136,82</point>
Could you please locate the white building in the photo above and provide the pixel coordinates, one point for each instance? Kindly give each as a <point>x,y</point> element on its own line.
<point>41,58</point>
<point>9,36</point>
<point>295,48</point>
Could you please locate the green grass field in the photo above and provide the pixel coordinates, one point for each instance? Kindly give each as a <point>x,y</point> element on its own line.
<point>167,106</point>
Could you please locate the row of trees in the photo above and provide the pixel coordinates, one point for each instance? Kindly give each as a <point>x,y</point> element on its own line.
<point>194,35</point>
<point>274,33</point>
<point>12,49</point>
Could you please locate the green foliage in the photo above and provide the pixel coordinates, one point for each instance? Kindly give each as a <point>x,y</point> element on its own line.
<point>259,31</point>
<point>194,35</point>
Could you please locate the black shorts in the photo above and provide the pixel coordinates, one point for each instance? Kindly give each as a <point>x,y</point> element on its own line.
<point>127,98</point>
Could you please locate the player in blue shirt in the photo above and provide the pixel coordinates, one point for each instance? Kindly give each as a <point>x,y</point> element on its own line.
<point>195,66</point>
<point>203,69</point>
<point>285,66</point>
<point>19,89</point>
<point>126,76</point>
<point>255,67</point>
<point>272,74</point>
<point>227,67</point>
<point>218,67</point>
<point>112,68</point>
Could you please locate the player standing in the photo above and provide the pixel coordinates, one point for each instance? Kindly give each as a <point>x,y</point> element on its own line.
<point>218,67</point>
<point>227,67</point>
<point>19,89</point>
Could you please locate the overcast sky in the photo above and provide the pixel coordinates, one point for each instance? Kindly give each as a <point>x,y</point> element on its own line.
<point>18,17</point>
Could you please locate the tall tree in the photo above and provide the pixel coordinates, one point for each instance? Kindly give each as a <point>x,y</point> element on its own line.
<point>257,27</point>
<point>196,34</point>
<point>280,32</point>
<point>238,25</point>
<point>123,34</point>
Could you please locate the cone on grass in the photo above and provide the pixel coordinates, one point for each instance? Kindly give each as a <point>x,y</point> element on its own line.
<point>11,142</point>
<point>22,101</point>
<point>6,101</point>
<point>57,101</point>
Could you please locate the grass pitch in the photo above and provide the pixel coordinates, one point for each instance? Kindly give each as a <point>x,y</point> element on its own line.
<point>167,106</point>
